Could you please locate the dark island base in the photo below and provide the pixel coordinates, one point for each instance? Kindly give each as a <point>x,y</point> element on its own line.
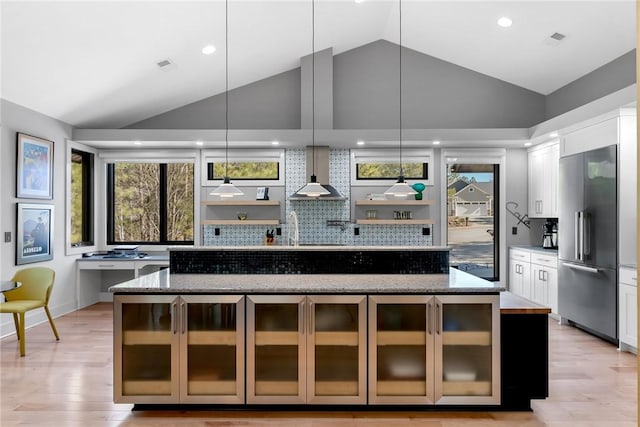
<point>525,376</point>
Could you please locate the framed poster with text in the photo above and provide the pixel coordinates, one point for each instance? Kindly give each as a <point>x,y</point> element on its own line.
<point>34,233</point>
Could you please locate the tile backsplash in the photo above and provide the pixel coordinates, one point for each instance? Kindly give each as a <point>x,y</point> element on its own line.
<point>314,214</point>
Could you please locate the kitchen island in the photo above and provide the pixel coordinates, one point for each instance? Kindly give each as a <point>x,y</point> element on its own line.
<point>363,340</point>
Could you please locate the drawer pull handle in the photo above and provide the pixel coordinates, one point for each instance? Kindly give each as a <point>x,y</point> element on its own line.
<point>106,265</point>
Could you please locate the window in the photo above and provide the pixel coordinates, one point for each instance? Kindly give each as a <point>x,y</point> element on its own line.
<point>81,198</point>
<point>381,167</point>
<point>391,170</point>
<point>243,170</point>
<point>246,168</point>
<point>151,203</point>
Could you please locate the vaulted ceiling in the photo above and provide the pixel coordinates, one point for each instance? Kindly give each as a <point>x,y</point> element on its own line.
<point>94,64</point>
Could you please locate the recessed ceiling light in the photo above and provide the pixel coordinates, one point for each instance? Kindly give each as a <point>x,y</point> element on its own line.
<point>359,1</point>
<point>208,49</point>
<point>553,134</point>
<point>527,144</point>
<point>436,142</point>
<point>137,143</point>
<point>275,142</point>
<point>199,143</point>
<point>505,22</point>
<point>360,142</point>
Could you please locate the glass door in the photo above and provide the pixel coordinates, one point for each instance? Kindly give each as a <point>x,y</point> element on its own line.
<point>472,230</point>
<point>276,344</point>
<point>146,349</point>
<point>212,349</point>
<point>336,349</point>
<point>401,355</point>
<point>467,348</point>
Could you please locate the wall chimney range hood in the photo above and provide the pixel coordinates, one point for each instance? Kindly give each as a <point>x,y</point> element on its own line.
<point>322,174</point>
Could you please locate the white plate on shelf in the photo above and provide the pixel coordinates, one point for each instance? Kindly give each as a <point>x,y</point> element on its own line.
<point>460,376</point>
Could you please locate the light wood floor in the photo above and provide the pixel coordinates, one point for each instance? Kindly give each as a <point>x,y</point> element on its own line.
<point>69,383</point>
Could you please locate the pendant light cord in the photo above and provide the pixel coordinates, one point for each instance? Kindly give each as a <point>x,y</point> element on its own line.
<point>400,85</point>
<point>226,91</point>
<point>313,86</point>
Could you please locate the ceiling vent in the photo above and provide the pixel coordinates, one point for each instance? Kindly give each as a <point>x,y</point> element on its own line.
<point>165,65</point>
<point>554,39</point>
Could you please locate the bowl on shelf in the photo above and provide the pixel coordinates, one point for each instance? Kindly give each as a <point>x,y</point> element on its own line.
<point>242,216</point>
<point>460,376</point>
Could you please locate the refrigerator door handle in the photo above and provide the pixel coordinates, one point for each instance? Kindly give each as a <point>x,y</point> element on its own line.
<point>581,268</point>
<point>576,235</point>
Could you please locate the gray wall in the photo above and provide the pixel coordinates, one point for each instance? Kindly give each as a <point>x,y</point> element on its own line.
<point>516,189</point>
<point>615,75</point>
<point>19,119</point>
<point>436,94</point>
<point>272,103</point>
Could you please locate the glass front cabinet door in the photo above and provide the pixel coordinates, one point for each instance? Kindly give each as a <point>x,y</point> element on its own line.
<point>146,349</point>
<point>434,349</point>
<point>306,349</point>
<point>467,342</point>
<point>171,349</point>
<point>336,349</point>
<point>401,353</point>
<point>276,345</point>
<point>212,349</point>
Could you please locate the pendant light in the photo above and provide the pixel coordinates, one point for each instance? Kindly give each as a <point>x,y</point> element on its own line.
<point>313,188</point>
<point>400,188</point>
<point>226,189</point>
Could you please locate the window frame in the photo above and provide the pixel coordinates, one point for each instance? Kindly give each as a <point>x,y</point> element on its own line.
<point>388,155</point>
<point>165,157</point>
<point>91,221</point>
<point>496,156</point>
<point>243,155</point>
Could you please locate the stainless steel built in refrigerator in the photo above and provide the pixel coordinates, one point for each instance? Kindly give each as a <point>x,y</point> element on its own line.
<point>588,226</point>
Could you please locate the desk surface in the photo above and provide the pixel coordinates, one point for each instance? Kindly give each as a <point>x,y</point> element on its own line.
<point>7,285</point>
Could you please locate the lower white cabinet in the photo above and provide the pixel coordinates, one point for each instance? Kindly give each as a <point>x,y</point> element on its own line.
<point>534,276</point>
<point>628,309</point>
<point>179,349</point>
<point>520,273</point>
<point>306,349</point>
<point>434,349</point>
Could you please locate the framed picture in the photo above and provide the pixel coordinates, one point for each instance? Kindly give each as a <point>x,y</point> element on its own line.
<point>34,171</point>
<point>262,193</point>
<point>34,233</point>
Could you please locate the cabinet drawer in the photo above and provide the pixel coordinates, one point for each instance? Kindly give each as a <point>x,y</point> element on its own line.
<point>107,265</point>
<point>629,276</point>
<point>543,259</point>
<point>520,255</point>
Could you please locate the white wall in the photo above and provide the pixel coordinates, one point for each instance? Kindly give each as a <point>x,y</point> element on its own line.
<point>19,119</point>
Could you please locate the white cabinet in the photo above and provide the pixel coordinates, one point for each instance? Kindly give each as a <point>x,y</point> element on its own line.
<point>544,280</point>
<point>628,309</point>
<point>534,275</point>
<point>627,170</point>
<point>543,180</point>
<point>520,273</point>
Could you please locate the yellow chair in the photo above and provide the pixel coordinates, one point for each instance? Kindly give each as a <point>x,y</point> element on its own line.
<point>37,283</point>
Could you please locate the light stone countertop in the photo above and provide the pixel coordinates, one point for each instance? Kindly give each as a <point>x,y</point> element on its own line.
<point>163,282</point>
<point>552,252</point>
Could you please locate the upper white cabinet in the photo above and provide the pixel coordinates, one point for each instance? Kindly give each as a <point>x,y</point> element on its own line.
<point>543,180</point>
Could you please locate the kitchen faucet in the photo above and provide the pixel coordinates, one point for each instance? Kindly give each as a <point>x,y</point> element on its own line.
<point>293,226</point>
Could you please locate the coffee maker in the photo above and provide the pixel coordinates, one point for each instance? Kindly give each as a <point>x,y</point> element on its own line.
<point>550,234</point>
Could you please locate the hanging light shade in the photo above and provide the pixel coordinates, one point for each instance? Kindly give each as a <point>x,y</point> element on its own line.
<point>313,188</point>
<point>400,188</point>
<point>226,190</point>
